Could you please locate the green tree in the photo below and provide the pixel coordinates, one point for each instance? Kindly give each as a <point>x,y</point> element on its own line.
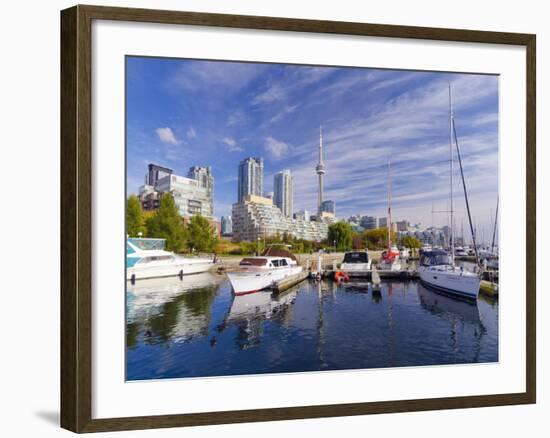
<point>201,235</point>
<point>358,242</point>
<point>166,223</point>
<point>135,220</point>
<point>378,238</point>
<point>411,243</point>
<point>340,235</point>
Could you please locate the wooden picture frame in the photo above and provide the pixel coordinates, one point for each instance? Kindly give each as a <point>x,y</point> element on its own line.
<point>76,218</point>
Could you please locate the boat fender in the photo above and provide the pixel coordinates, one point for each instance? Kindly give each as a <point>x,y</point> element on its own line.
<point>180,274</point>
<point>341,276</point>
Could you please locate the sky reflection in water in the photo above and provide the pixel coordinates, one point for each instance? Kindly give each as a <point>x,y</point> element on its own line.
<point>197,328</point>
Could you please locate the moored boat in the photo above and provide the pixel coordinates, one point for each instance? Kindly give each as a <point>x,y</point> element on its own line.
<point>356,261</point>
<point>147,258</point>
<point>391,260</point>
<point>437,270</point>
<point>259,273</point>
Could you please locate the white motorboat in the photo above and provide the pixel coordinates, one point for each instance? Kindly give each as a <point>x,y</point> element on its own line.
<point>356,261</point>
<point>258,273</point>
<point>461,252</point>
<point>146,258</point>
<point>437,268</point>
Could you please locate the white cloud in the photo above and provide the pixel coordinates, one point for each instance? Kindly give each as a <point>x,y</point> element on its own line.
<point>272,93</point>
<point>191,133</point>
<point>232,145</point>
<point>294,79</point>
<point>166,135</point>
<point>288,109</point>
<point>412,128</point>
<point>235,118</point>
<point>275,147</point>
<point>227,77</point>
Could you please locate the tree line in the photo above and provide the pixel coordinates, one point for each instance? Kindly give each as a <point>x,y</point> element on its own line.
<point>342,237</point>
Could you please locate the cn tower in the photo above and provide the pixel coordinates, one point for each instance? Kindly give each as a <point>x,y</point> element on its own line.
<point>320,169</point>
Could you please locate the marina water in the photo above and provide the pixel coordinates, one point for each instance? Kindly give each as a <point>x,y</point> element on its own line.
<point>195,327</point>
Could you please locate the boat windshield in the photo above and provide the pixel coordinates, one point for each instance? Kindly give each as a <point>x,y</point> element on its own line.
<point>147,243</point>
<point>434,258</point>
<point>253,262</point>
<point>356,257</point>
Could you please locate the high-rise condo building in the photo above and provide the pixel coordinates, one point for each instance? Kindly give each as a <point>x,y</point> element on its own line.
<point>282,192</point>
<point>227,226</point>
<point>328,206</point>
<point>257,218</point>
<point>369,222</point>
<point>156,172</point>
<point>205,180</point>
<point>192,195</point>
<point>251,178</point>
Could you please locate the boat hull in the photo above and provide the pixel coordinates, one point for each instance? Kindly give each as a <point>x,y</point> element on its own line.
<point>355,267</point>
<point>173,269</point>
<point>390,266</point>
<point>451,282</point>
<point>256,280</point>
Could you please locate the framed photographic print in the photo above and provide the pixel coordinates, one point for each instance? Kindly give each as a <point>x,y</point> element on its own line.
<point>268,218</point>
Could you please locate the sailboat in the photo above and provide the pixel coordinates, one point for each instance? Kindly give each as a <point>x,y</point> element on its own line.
<point>390,257</point>
<point>437,268</point>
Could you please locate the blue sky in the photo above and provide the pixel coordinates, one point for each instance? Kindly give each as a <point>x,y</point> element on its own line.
<point>182,113</point>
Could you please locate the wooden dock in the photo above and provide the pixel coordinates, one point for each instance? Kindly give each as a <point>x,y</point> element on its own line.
<point>488,288</point>
<point>286,283</point>
<point>384,274</point>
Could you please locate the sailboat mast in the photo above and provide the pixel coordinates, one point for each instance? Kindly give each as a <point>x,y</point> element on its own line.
<point>495,229</point>
<point>451,176</point>
<point>473,227</point>
<point>388,220</point>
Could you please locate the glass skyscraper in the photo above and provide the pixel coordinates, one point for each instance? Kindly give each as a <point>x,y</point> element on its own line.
<point>282,192</point>
<point>251,178</point>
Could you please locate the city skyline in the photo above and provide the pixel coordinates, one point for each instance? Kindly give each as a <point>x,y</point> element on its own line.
<point>216,114</point>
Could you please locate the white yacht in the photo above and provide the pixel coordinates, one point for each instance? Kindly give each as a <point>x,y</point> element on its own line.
<point>438,271</point>
<point>437,268</point>
<point>356,261</point>
<point>258,273</point>
<point>146,258</point>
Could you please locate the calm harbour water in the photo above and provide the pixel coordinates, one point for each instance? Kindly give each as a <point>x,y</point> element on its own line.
<point>197,328</point>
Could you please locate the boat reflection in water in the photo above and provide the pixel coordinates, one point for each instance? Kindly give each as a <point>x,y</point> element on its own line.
<point>249,312</point>
<point>447,306</point>
<point>200,328</point>
<point>462,316</point>
<point>170,309</point>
